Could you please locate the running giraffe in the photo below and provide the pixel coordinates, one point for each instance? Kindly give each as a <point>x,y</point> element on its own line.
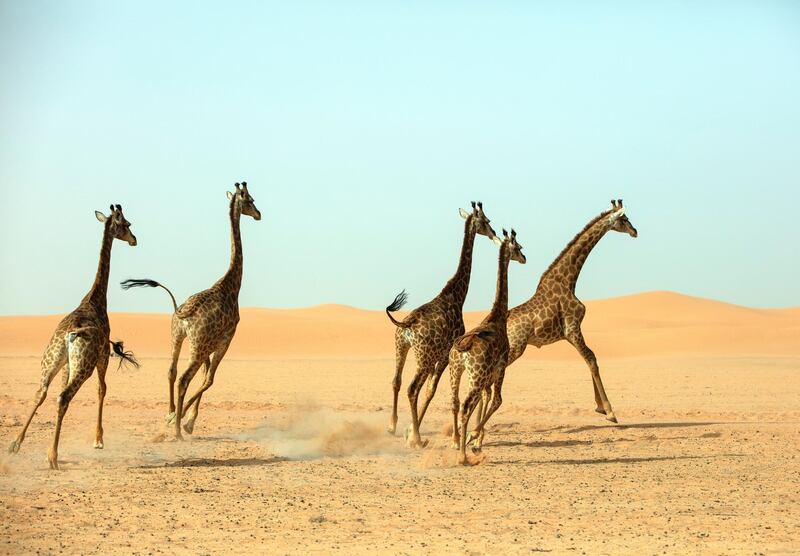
<point>483,353</point>
<point>80,341</point>
<point>208,318</point>
<point>554,313</point>
<point>431,328</point>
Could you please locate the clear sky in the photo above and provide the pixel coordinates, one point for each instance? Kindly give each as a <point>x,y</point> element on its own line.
<point>362,127</point>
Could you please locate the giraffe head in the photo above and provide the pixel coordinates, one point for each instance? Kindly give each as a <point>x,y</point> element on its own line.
<point>514,248</point>
<point>245,201</point>
<point>619,221</point>
<point>479,220</point>
<point>120,227</point>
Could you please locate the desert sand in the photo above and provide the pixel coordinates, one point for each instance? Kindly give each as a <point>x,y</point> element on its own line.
<point>290,453</point>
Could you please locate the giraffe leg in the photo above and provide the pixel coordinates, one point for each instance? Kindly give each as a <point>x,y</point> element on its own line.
<point>102,367</point>
<point>467,407</point>
<point>176,338</point>
<point>433,384</point>
<point>497,400</point>
<point>456,370</point>
<point>412,434</point>
<point>83,353</point>
<point>54,359</point>
<point>401,347</point>
<point>211,371</point>
<point>483,405</point>
<point>183,385</point>
<point>193,405</point>
<point>577,341</point>
<point>598,400</point>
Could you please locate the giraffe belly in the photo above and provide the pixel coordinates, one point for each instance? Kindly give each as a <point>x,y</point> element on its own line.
<point>545,333</point>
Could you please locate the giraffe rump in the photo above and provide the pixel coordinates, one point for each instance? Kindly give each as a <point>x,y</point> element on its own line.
<point>399,300</point>
<point>125,357</point>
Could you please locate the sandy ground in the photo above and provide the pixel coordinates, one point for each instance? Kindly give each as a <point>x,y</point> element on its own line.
<point>290,453</point>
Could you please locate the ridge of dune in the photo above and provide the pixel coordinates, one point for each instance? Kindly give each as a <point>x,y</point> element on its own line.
<point>657,323</point>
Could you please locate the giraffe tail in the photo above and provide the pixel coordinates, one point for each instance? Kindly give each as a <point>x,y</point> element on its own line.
<point>141,282</point>
<point>125,357</point>
<point>396,305</point>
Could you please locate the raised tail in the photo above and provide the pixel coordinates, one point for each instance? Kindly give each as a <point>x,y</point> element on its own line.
<point>125,357</point>
<point>396,305</point>
<point>140,282</point>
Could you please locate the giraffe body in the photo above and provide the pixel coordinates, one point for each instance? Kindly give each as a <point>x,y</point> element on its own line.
<point>554,313</point>
<point>80,342</point>
<point>208,319</point>
<point>483,353</point>
<point>431,329</point>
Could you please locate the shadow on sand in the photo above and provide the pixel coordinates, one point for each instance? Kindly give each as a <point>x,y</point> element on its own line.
<point>210,462</point>
<point>600,461</point>
<point>672,425</point>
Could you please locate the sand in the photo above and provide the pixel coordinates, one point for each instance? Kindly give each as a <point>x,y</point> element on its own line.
<point>290,453</point>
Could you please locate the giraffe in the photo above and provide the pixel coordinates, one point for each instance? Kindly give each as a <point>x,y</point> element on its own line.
<point>208,318</point>
<point>484,353</point>
<point>431,328</point>
<point>554,313</point>
<point>80,341</point>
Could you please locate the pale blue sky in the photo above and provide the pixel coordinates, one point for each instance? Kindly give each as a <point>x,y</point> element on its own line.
<point>362,127</point>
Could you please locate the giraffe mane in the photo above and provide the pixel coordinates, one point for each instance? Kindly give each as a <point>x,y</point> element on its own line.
<point>572,242</point>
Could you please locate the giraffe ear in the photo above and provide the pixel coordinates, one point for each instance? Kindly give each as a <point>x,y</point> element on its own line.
<point>100,216</point>
<point>229,194</point>
<point>497,241</point>
<point>464,214</point>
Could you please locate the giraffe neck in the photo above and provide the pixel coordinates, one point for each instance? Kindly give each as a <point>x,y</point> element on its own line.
<point>233,277</point>
<point>458,285</point>
<point>499,312</point>
<point>97,295</point>
<point>567,266</point>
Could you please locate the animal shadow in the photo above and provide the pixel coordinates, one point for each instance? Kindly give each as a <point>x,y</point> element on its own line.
<point>211,462</point>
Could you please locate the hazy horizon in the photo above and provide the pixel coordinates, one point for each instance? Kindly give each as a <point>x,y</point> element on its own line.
<point>362,128</point>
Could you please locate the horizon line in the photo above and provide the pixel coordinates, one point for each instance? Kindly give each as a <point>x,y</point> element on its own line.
<point>353,307</point>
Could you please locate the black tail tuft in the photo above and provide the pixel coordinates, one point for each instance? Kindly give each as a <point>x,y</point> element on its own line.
<point>138,283</point>
<point>398,302</point>
<point>125,357</point>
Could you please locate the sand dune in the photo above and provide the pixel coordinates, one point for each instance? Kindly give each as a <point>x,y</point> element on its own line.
<point>290,453</point>
<point>654,323</point>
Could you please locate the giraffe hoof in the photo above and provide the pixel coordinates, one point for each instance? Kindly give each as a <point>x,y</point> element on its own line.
<point>53,460</point>
<point>98,444</point>
<point>188,426</point>
<point>13,448</point>
<point>417,442</point>
<point>611,417</point>
<point>600,410</point>
<point>391,429</point>
<point>170,418</point>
